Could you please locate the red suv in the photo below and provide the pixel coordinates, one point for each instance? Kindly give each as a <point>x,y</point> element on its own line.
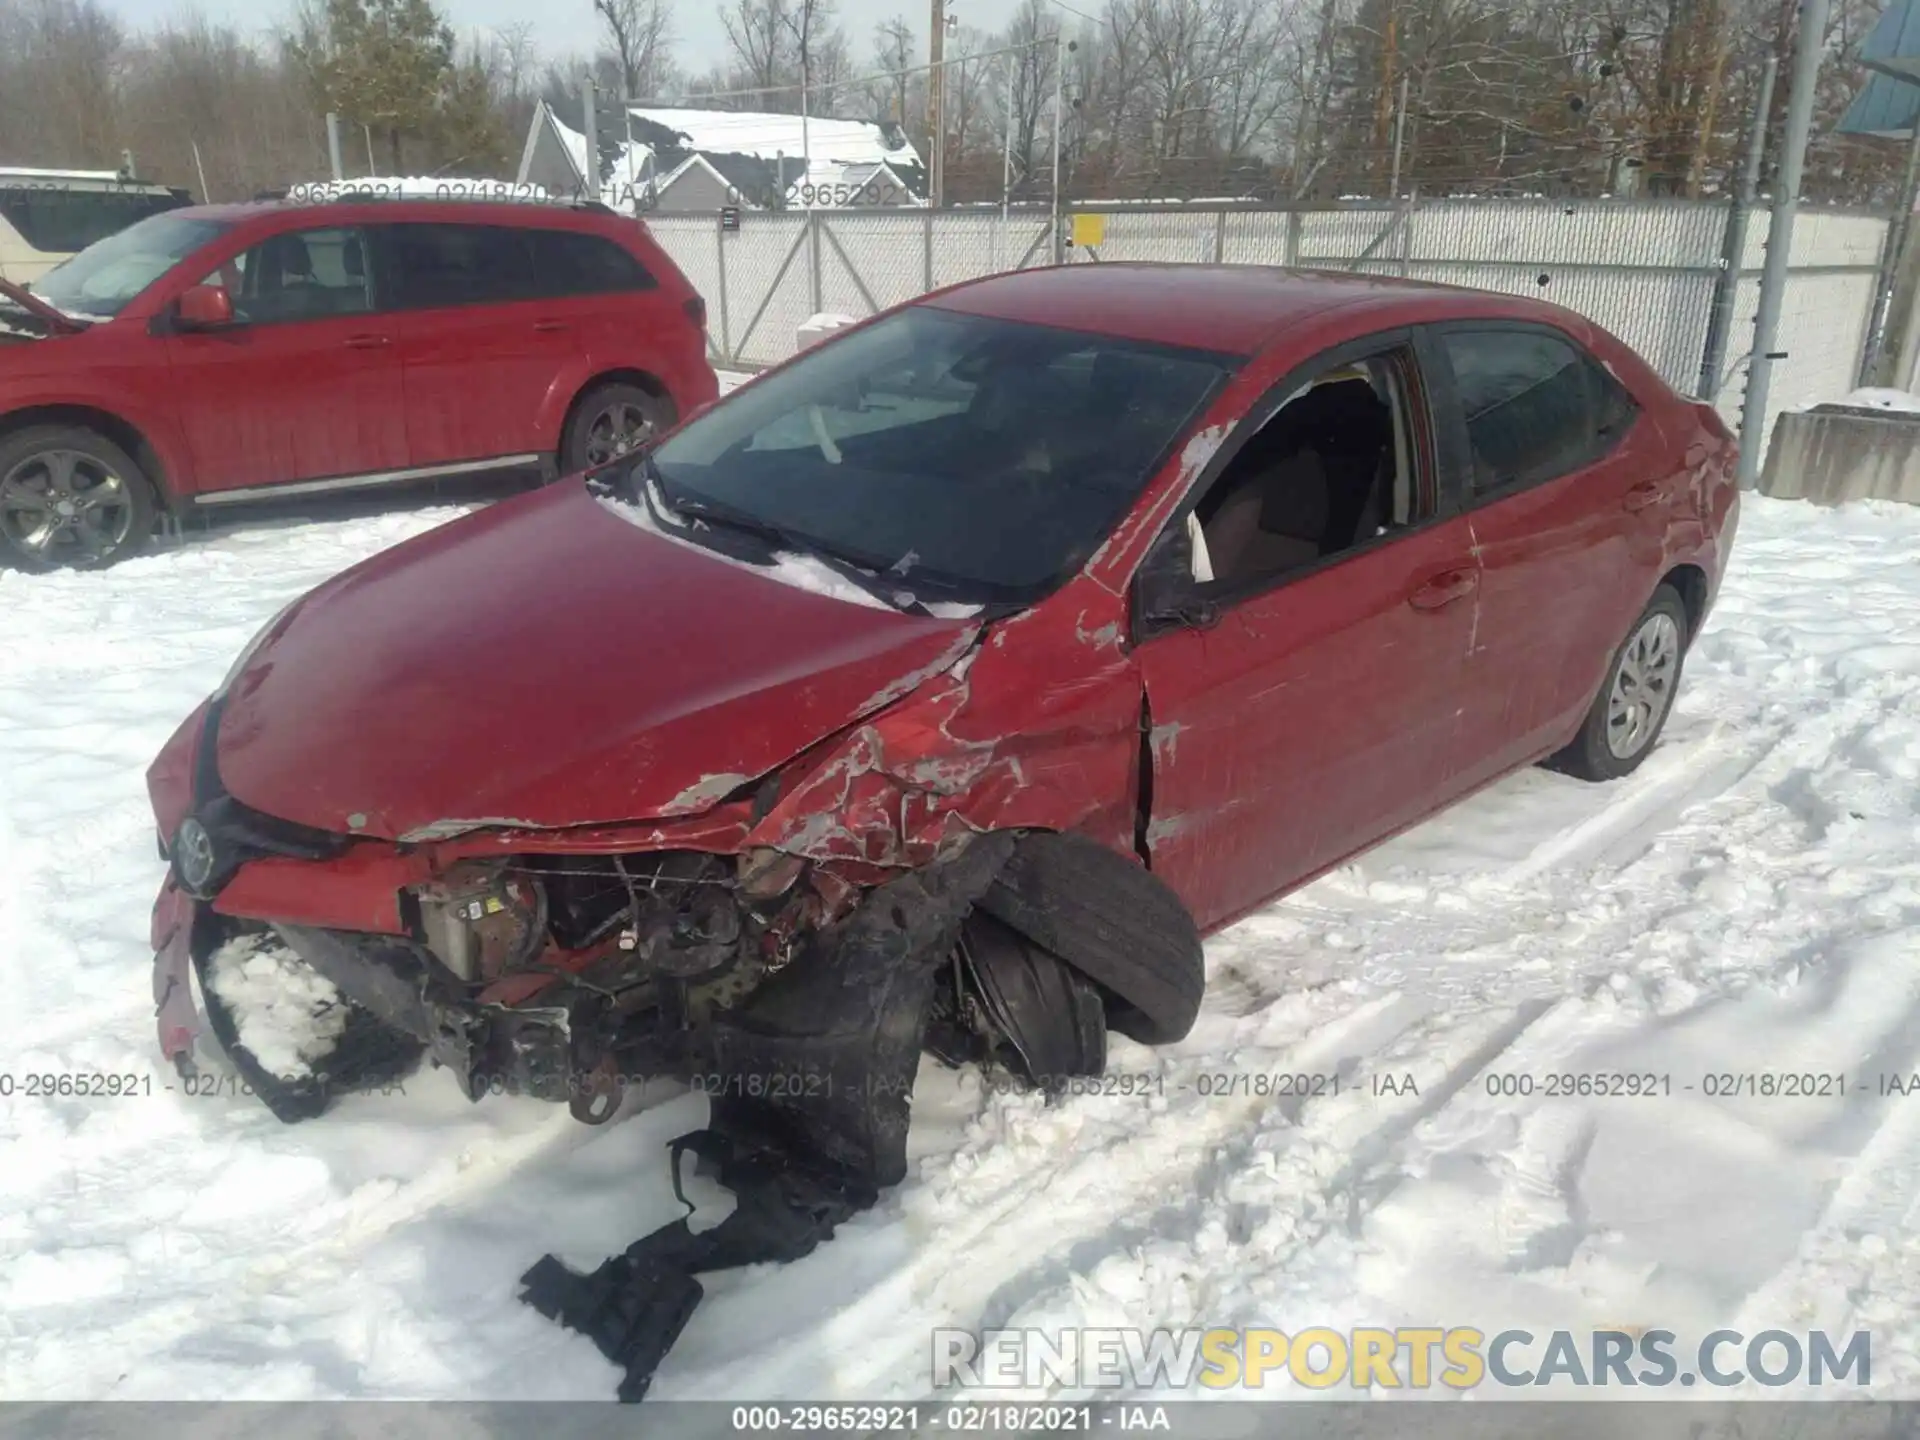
<point>223,353</point>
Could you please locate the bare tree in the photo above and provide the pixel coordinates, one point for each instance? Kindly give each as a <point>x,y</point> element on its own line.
<point>640,35</point>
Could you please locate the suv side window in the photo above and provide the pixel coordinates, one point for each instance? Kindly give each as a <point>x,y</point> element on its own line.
<point>569,262</point>
<point>1536,405</point>
<point>437,265</point>
<point>299,275</point>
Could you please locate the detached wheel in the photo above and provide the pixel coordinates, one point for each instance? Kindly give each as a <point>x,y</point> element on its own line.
<point>1634,701</point>
<point>610,421</point>
<point>71,498</point>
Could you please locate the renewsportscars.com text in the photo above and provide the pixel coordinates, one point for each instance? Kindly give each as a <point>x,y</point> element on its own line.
<point>1407,1358</point>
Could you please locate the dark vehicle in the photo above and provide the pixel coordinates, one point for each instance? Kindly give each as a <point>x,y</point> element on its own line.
<point>937,690</point>
<point>219,354</point>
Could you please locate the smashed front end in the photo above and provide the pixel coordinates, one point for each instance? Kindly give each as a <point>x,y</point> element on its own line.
<point>790,945</point>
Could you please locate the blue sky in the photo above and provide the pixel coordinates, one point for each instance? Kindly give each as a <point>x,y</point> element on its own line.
<point>563,26</point>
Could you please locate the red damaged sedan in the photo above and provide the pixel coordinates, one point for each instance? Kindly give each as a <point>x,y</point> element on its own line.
<point>937,691</point>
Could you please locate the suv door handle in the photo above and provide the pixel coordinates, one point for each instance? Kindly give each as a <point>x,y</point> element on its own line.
<point>1646,493</point>
<point>368,342</point>
<point>1444,589</point>
<point>549,327</point>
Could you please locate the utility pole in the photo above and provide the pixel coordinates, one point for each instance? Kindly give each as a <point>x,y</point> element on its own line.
<point>591,178</point>
<point>333,149</point>
<point>1733,252</point>
<point>937,107</point>
<point>1059,84</point>
<point>1400,135</point>
<point>1786,203</point>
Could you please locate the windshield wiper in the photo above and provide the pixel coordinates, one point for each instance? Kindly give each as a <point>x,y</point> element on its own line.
<point>679,509</point>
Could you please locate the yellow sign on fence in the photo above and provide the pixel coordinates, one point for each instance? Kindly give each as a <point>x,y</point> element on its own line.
<point>1089,230</point>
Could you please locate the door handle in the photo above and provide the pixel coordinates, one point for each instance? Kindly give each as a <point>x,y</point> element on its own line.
<point>1646,493</point>
<point>368,342</point>
<point>549,327</point>
<point>1444,589</point>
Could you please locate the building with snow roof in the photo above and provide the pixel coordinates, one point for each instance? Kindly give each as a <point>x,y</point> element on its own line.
<point>699,161</point>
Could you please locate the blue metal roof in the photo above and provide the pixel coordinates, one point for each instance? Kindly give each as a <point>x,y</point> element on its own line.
<point>1893,48</point>
<point>1885,106</point>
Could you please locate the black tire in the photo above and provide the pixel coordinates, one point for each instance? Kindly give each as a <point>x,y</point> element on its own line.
<point>1048,1021</point>
<point>602,417</point>
<point>1621,729</point>
<point>71,499</point>
<point>368,1054</point>
<point>1112,920</point>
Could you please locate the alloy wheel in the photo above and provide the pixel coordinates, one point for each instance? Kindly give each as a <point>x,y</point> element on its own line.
<point>1643,685</point>
<point>616,430</point>
<point>65,505</point>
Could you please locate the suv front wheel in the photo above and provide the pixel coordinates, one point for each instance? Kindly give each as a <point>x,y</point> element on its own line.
<point>70,497</point>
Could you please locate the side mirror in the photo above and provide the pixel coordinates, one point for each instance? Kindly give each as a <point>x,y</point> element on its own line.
<point>1165,594</point>
<point>206,307</point>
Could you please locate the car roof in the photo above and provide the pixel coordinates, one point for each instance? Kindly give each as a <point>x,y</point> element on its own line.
<point>1234,309</point>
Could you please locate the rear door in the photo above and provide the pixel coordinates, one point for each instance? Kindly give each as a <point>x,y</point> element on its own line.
<point>480,344</point>
<point>1300,716</point>
<point>1565,485</point>
<point>305,386</point>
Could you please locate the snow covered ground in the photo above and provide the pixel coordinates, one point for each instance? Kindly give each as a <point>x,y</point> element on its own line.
<point>1748,902</point>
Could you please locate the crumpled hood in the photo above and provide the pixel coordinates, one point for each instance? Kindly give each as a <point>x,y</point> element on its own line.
<point>545,663</point>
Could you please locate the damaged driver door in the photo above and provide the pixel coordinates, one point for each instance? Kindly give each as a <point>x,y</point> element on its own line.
<point>1305,683</point>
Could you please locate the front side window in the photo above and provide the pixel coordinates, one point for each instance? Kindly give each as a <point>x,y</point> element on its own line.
<point>107,276</point>
<point>299,275</point>
<point>1331,471</point>
<point>439,265</point>
<point>976,459</point>
<point>1536,406</point>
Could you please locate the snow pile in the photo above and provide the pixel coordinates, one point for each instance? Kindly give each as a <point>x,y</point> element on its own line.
<point>288,1014</point>
<point>1748,903</point>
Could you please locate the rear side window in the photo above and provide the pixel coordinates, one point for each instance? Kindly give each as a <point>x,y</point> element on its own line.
<point>1536,405</point>
<point>438,265</point>
<point>568,262</point>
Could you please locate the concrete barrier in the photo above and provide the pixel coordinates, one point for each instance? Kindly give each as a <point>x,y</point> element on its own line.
<point>1835,453</point>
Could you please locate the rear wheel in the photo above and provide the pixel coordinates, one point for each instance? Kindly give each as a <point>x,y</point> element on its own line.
<point>1637,696</point>
<point>610,421</point>
<point>71,498</point>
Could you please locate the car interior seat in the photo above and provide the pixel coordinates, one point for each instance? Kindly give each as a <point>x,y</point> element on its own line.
<point>1273,521</point>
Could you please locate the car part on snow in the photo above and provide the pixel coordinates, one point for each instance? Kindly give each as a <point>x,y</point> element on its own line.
<point>1113,921</point>
<point>71,497</point>
<point>811,1085</point>
<point>634,1305</point>
<point>1636,697</point>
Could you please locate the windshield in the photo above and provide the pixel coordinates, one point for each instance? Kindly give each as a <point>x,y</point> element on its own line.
<point>105,278</point>
<point>967,458</point>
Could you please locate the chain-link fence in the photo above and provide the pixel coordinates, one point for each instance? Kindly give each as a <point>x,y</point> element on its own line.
<point>1649,271</point>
